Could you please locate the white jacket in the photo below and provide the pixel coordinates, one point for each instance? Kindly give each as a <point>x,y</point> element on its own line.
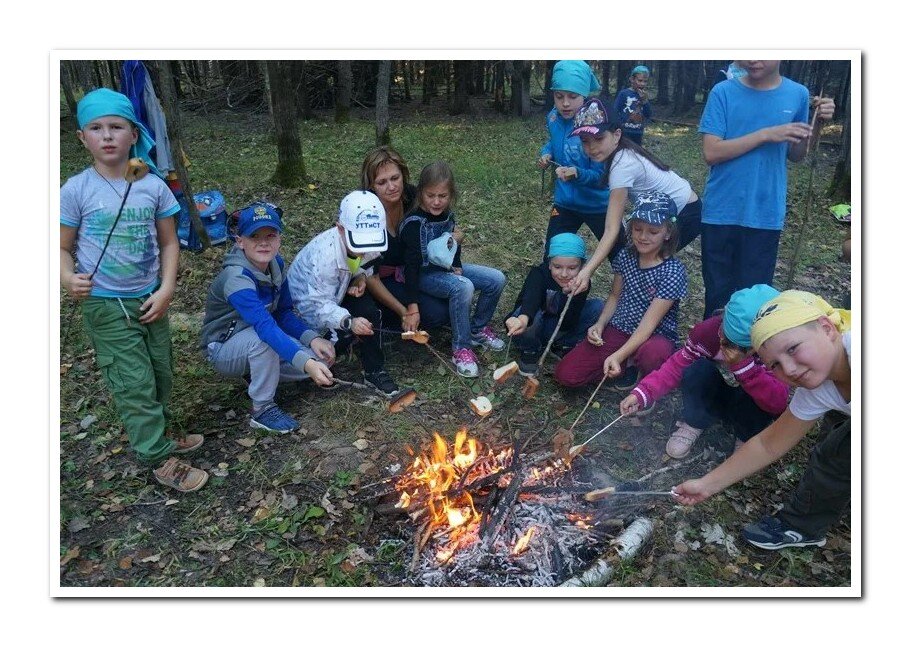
<point>319,277</point>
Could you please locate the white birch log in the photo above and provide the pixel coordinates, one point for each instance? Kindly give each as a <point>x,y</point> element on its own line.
<point>626,545</point>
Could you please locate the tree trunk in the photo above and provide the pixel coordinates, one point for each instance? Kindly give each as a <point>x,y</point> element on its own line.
<point>115,76</point>
<point>662,74</point>
<point>175,134</point>
<point>343,90</point>
<point>606,79</point>
<point>499,87</point>
<point>623,75</point>
<point>406,80</point>
<point>290,170</point>
<point>463,73</point>
<point>382,104</point>
<point>686,85</point>
<point>427,83</point>
<point>66,82</point>
<point>842,101</point>
<point>519,89</point>
<point>549,73</point>
<point>841,186</point>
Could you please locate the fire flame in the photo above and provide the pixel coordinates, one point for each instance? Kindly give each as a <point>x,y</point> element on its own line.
<point>523,543</point>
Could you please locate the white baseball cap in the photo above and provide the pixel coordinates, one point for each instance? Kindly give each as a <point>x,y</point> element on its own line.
<point>362,215</point>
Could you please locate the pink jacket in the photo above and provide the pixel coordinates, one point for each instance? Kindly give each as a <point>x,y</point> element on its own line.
<point>761,385</point>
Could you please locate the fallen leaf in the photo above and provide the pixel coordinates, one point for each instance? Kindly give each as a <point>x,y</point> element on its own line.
<point>260,514</point>
<point>126,562</point>
<point>312,187</point>
<point>72,552</point>
<point>77,524</point>
<point>87,421</point>
<point>246,442</point>
<point>171,502</point>
<point>289,501</point>
<point>347,567</point>
<point>596,405</point>
<point>623,445</point>
<point>223,466</point>
<point>152,558</point>
<point>361,444</point>
<point>260,582</point>
<point>80,436</point>
<point>115,450</point>
<point>244,457</point>
<point>230,414</point>
<point>65,368</point>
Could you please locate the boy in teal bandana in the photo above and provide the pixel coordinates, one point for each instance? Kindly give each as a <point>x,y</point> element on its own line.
<point>579,196</point>
<point>126,287</point>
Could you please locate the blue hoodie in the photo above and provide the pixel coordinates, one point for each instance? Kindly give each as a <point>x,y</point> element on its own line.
<point>584,194</point>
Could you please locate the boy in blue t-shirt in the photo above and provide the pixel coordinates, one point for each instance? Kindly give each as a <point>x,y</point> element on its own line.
<point>750,126</point>
<point>632,105</point>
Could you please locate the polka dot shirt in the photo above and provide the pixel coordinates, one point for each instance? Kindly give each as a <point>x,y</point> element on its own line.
<point>668,280</point>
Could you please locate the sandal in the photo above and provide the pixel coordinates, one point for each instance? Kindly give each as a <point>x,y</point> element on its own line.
<point>681,440</point>
<point>188,443</point>
<point>180,476</point>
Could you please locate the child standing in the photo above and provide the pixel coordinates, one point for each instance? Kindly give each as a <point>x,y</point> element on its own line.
<point>542,299</point>
<point>807,343</point>
<point>638,326</point>
<point>629,170</point>
<point>579,196</point>
<point>433,264</point>
<point>751,125</point>
<point>125,273</point>
<point>632,105</point>
<point>328,277</point>
<point>250,327</point>
<point>721,378</point>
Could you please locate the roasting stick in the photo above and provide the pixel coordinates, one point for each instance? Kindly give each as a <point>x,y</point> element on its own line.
<point>588,402</point>
<point>575,450</point>
<point>602,493</point>
<point>560,321</point>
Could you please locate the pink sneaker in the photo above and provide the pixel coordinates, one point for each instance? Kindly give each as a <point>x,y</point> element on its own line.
<point>681,440</point>
<point>466,363</point>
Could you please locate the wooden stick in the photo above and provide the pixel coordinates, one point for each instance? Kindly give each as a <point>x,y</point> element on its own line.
<point>602,493</point>
<point>560,321</point>
<point>597,387</point>
<point>575,450</point>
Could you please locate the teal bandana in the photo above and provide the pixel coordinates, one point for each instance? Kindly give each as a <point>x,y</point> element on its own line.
<point>104,102</point>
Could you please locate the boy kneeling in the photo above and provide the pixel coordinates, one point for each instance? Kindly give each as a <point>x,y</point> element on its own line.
<point>250,327</point>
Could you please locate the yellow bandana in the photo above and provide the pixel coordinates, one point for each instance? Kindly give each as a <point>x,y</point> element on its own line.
<point>793,308</point>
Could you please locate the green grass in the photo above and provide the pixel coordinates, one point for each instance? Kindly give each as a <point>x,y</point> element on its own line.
<point>210,538</point>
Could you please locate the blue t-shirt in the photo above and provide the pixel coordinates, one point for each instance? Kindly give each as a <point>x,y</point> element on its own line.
<point>668,280</point>
<point>749,190</point>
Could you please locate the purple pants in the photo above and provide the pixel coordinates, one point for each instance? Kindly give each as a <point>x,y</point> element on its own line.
<point>584,364</point>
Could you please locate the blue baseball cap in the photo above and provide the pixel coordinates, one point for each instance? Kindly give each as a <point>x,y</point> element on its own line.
<point>653,207</point>
<point>257,216</point>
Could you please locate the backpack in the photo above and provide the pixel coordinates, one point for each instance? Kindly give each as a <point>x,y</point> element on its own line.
<point>211,208</point>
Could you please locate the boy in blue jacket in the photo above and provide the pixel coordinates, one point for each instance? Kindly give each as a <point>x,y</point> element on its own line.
<point>250,326</point>
<point>579,196</point>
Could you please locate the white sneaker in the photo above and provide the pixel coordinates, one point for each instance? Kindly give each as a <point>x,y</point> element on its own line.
<point>486,337</point>
<point>466,363</point>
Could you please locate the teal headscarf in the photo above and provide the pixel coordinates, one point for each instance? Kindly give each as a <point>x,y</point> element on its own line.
<point>104,102</point>
<point>741,310</point>
<point>575,76</point>
<point>567,245</point>
<point>640,69</point>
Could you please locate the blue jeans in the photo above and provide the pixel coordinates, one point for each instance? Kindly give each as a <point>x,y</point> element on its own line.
<point>540,329</point>
<point>459,290</point>
<point>735,257</point>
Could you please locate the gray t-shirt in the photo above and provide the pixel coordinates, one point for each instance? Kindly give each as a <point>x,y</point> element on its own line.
<point>631,171</point>
<point>130,266</point>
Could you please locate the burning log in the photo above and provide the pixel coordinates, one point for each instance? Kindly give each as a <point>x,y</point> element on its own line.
<point>503,506</point>
<point>628,544</point>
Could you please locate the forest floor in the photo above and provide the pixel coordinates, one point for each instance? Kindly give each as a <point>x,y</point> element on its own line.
<point>282,510</point>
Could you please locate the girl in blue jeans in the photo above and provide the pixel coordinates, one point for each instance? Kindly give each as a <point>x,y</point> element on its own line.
<point>433,265</point>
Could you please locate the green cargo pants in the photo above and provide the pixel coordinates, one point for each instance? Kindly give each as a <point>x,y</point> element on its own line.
<point>135,360</point>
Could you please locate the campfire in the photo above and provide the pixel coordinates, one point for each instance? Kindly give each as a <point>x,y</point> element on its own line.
<point>486,516</point>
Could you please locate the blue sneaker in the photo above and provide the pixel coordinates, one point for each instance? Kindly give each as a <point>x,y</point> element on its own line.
<point>770,533</point>
<point>274,419</point>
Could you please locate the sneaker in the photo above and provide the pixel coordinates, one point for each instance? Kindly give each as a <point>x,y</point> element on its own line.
<point>466,363</point>
<point>180,476</point>
<point>681,440</point>
<point>189,443</point>
<point>274,419</point>
<point>771,533</point>
<point>626,381</point>
<point>486,337</point>
<point>382,382</point>
<point>528,363</point>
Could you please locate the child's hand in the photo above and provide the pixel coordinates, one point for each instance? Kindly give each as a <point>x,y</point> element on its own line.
<point>361,326</point>
<point>544,161</point>
<point>156,306</point>
<point>594,334</point>
<point>457,271</point>
<point>691,492</point>
<point>410,321</point>
<point>825,107</point>
<point>579,283</point>
<point>630,405</point>
<point>566,173</point>
<point>78,285</point>
<point>458,235</point>
<point>324,349</point>
<point>792,133</point>
<point>612,367</point>
<point>319,372</point>
<point>732,355</point>
<point>517,325</point>
<point>356,287</point>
